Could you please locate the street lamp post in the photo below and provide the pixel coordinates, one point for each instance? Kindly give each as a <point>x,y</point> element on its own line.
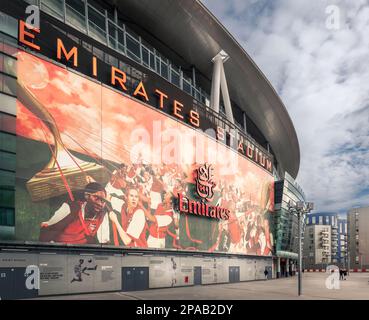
<point>300,208</point>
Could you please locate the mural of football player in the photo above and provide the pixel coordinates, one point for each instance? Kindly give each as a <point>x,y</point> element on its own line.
<point>160,222</point>
<point>130,228</point>
<point>77,222</point>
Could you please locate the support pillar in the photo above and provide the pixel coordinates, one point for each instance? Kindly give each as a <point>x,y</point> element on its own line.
<point>218,83</point>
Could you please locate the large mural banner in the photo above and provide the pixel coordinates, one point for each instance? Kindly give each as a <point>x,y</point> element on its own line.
<point>95,166</point>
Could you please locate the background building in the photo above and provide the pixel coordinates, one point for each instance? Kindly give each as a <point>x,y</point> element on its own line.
<point>286,225</point>
<point>73,92</point>
<point>331,219</point>
<point>317,246</point>
<point>342,244</point>
<point>358,238</point>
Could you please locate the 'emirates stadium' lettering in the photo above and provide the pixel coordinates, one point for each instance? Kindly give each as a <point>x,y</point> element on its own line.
<point>188,206</point>
<point>118,80</point>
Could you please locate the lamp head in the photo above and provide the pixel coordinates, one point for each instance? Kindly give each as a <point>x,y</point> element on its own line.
<point>310,206</point>
<point>300,205</point>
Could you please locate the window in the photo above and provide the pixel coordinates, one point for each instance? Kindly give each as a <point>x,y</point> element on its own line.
<point>7,217</point>
<point>164,70</point>
<point>96,25</point>
<point>152,61</point>
<point>8,65</point>
<point>321,220</point>
<point>187,86</point>
<point>7,123</point>
<point>7,179</point>
<point>7,198</point>
<point>145,57</point>
<point>121,41</point>
<point>7,142</point>
<point>113,35</point>
<point>9,25</point>
<point>314,220</point>
<point>175,78</point>
<point>7,161</point>
<point>53,7</point>
<point>8,45</point>
<point>8,85</point>
<point>75,14</point>
<point>133,48</point>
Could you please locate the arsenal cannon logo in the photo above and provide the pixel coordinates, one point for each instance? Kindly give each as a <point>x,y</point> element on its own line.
<point>205,182</point>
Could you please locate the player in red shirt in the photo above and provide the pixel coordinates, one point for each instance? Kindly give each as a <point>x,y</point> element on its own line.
<point>161,220</point>
<point>129,229</point>
<point>77,222</point>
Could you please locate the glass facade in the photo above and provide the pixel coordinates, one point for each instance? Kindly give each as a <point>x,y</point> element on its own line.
<point>285,224</point>
<point>8,150</point>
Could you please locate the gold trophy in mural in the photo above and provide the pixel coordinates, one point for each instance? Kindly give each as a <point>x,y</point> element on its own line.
<point>64,172</point>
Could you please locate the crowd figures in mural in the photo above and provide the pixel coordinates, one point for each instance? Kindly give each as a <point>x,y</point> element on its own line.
<point>138,207</point>
<point>91,192</point>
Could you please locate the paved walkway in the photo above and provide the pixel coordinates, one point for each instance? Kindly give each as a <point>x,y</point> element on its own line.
<point>355,287</point>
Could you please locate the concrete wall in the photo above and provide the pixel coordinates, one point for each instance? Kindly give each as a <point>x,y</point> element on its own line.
<point>103,272</point>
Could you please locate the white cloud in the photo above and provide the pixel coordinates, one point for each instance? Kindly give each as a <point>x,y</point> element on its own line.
<point>322,77</point>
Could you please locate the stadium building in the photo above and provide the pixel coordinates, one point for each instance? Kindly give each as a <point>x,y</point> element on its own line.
<point>139,149</point>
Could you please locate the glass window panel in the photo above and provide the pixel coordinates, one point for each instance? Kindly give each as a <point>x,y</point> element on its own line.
<point>75,13</point>
<point>110,11</point>
<point>175,78</point>
<point>7,161</point>
<point>186,86</point>
<point>113,33</point>
<point>8,142</point>
<point>164,70</point>
<point>9,84</point>
<point>8,65</point>
<point>174,68</point>
<point>96,25</point>
<point>8,45</point>
<point>152,61</point>
<point>7,179</point>
<point>121,42</point>
<point>7,103</point>
<point>132,34</point>
<point>133,47</point>
<point>53,7</point>
<point>35,2</point>
<point>97,6</point>
<point>8,25</point>
<point>7,123</point>
<point>7,198</point>
<point>7,217</point>
<point>196,95</point>
<point>145,57</point>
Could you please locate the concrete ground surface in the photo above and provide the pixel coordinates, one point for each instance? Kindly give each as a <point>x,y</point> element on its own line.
<point>314,288</point>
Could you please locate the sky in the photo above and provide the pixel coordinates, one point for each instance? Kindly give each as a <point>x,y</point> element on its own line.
<point>316,55</point>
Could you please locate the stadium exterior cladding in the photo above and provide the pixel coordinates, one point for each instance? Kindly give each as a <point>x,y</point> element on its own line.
<point>202,36</point>
<point>74,226</point>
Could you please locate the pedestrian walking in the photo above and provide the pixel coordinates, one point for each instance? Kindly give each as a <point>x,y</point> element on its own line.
<point>341,274</point>
<point>266,274</point>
